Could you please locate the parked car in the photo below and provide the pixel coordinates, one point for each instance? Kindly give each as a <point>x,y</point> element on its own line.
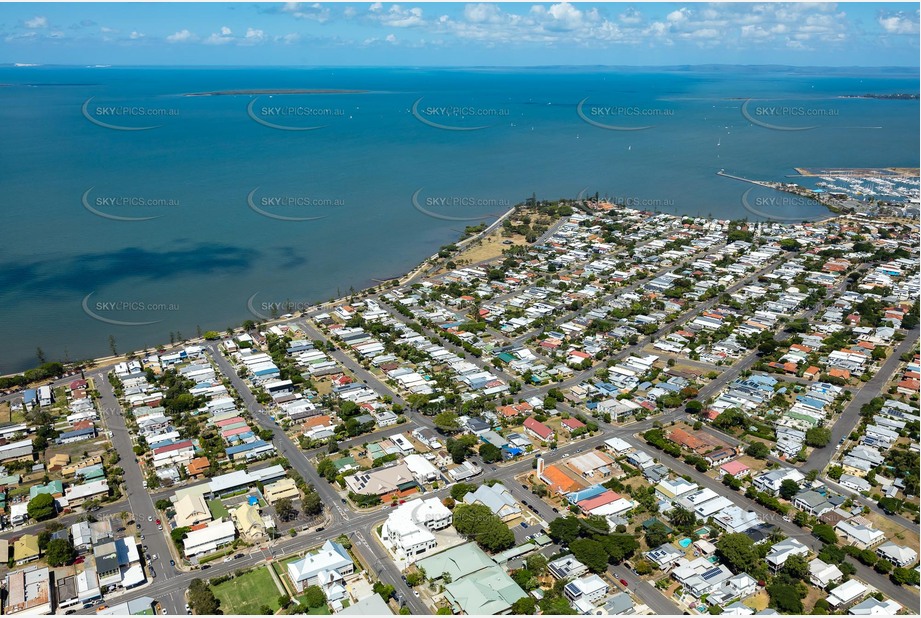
<point>172,563</point>
<point>623,582</point>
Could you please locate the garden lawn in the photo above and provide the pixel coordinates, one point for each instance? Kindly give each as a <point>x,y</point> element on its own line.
<point>247,593</point>
<point>217,509</point>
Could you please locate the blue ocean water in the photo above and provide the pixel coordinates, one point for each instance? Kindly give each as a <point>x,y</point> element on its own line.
<point>216,188</point>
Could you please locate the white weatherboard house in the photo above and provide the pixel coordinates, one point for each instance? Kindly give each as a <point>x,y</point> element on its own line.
<point>408,529</point>
<point>326,568</point>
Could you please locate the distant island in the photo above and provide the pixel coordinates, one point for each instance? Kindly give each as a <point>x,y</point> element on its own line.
<point>224,93</point>
<point>901,96</point>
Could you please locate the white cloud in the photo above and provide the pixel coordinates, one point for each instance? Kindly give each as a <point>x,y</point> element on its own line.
<point>398,17</point>
<point>37,22</point>
<point>253,36</point>
<point>376,7</point>
<point>630,16</point>
<point>183,36</point>
<point>136,35</point>
<point>899,23</point>
<point>225,36</point>
<point>302,10</point>
<point>391,38</point>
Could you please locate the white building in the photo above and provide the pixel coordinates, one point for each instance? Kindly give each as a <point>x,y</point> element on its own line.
<point>327,568</point>
<point>210,538</point>
<point>408,529</point>
<point>590,588</point>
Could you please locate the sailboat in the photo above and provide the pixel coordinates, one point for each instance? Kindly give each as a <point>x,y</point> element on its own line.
<point>718,141</point>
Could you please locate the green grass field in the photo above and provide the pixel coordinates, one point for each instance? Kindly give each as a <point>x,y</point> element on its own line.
<point>217,509</point>
<point>246,594</point>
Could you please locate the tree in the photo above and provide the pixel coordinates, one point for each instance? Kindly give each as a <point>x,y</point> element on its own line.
<point>163,504</point>
<point>385,590</point>
<point>785,598</point>
<point>835,472</point>
<point>525,606</point>
<point>476,521</point>
<point>619,546</point>
<point>738,551</point>
<point>565,530</point>
<point>825,533</point>
<point>537,564</point>
<point>525,579</point>
<point>201,599</point>
<point>490,453</point>
<point>758,450</point>
<point>447,422</point>
<point>904,577</point>
<point>788,489</point>
<point>796,567</point>
<point>312,503</point>
<point>681,517</point>
<point>694,406</point>
<point>818,436</point>
<point>314,597</point>
<point>656,534</point>
<point>460,448</point>
<point>41,507</point>
<point>59,552</point>
<point>591,553</point>
<point>285,509</point>
<point>459,490</point>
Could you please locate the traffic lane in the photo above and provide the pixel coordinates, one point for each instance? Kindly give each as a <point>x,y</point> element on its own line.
<point>139,501</point>
<point>651,596</point>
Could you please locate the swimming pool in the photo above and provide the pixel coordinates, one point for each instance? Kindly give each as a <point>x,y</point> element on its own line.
<point>702,531</point>
<point>685,542</point>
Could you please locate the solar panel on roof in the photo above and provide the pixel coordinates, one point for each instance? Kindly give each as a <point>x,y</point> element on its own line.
<point>711,573</point>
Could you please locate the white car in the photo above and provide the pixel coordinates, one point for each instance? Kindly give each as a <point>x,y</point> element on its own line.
<point>416,592</point>
<point>149,518</point>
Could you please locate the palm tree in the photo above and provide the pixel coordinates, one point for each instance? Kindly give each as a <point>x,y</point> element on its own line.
<point>681,517</point>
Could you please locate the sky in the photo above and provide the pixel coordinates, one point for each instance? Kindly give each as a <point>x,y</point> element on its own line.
<point>460,34</point>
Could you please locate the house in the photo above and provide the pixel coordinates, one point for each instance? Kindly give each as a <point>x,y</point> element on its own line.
<point>198,466</point>
<point>408,528</point>
<point>28,592</point>
<point>326,568</point>
<point>215,535</point>
<point>734,468</point>
<point>736,587</point>
<point>382,481</point>
<point>571,424</point>
<point>25,549</point>
<point>249,523</point>
<point>566,567</point>
<point>780,552</point>
<point>720,456</point>
<point>497,498</point>
<point>847,593</point>
<point>78,494</point>
<point>897,555</point>
<point>665,555</point>
<point>700,576</point>
<point>589,588</point>
<point>734,519</point>
<point>285,488</point>
<point>538,429</point>
<point>673,489</point>
<point>822,574</point>
<point>372,605</point>
<point>557,479</point>
<point>191,509</point>
<point>812,502</point>
<point>860,535</point>
<point>770,481</point>
<point>875,607</point>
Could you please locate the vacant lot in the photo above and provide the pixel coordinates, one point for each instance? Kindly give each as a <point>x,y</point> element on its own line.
<point>217,509</point>
<point>246,594</point>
